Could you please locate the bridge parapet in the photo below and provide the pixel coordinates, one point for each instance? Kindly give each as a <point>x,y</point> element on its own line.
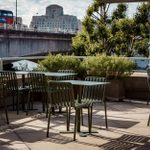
<point>26,43</point>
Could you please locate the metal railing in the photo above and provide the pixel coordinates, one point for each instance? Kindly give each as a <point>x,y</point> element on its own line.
<point>142,63</point>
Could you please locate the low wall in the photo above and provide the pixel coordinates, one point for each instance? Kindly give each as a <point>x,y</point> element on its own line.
<point>136,86</point>
<point>133,87</point>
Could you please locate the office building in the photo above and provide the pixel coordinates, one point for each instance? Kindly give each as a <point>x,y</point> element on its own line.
<point>55,21</point>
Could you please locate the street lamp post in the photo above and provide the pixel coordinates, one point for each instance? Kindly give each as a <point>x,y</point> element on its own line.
<point>16,14</point>
<point>149,37</point>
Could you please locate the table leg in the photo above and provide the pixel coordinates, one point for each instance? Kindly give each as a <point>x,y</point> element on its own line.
<point>23,80</point>
<point>79,114</point>
<point>105,107</point>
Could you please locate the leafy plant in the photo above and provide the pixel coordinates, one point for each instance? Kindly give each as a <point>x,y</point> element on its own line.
<point>112,67</point>
<point>115,33</point>
<point>61,62</point>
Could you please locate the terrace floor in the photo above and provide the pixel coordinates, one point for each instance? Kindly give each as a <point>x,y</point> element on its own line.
<point>127,130</point>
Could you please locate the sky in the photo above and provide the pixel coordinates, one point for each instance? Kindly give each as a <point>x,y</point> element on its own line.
<point>28,8</point>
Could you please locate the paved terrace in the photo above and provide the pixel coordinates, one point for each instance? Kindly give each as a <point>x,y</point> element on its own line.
<point>127,130</point>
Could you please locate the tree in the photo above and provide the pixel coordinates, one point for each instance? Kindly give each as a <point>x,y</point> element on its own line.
<point>80,43</point>
<point>143,25</point>
<point>124,36</point>
<point>95,30</point>
<point>130,35</point>
<point>115,34</point>
<point>96,35</point>
<point>120,12</point>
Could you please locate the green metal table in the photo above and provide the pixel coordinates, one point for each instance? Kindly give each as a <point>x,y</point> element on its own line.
<point>81,83</point>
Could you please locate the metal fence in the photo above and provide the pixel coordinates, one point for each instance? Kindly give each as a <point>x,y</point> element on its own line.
<point>142,63</point>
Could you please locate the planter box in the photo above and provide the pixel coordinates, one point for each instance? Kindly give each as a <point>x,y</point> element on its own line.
<point>115,90</point>
<point>136,87</point>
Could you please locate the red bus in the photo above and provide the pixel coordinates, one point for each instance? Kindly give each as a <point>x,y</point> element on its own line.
<point>6,19</point>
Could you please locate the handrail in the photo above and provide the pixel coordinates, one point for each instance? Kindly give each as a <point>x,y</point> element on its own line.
<point>20,58</point>
<point>9,59</point>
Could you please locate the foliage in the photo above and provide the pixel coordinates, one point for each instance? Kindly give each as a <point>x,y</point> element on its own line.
<point>61,62</point>
<point>124,31</point>
<point>80,43</point>
<point>143,25</point>
<point>99,65</point>
<point>115,34</point>
<point>94,29</point>
<point>141,47</point>
<point>120,12</point>
<point>112,67</point>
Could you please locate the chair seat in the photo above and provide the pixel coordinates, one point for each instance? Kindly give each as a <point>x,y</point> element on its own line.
<point>37,85</point>
<point>84,103</point>
<point>23,88</point>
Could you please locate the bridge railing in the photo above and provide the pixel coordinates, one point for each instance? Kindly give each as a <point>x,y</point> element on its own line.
<point>142,63</point>
<point>7,60</point>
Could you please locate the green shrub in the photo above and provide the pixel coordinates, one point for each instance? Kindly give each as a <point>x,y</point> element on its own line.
<point>60,62</point>
<point>112,67</point>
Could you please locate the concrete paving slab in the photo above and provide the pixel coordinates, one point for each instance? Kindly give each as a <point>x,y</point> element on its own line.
<point>127,129</point>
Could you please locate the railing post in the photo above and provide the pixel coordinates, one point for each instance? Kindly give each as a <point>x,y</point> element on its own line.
<point>1,64</point>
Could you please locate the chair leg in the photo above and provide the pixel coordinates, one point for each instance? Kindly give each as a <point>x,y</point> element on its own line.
<point>75,123</point>
<point>48,124</point>
<point>31,101</point>
<point>82,121</point>
<point>43,102</point>
<point>148,99</point>
<point>90,118</point>
<point>148,120</point>
<point>105,107</point>
<point>28,103</point>
<point>13,102</point>
<point>6,112</point>
<point>60,109</point>
<point>23,100</point>
<point>47,107</point>
<point>67,115</point>
<point>148,102</point>
<point>18,104</point>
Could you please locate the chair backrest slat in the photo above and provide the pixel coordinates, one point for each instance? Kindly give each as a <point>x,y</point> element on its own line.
<point>61,94</point>
<point>148,82</point>
<point>94,92</point>
<point>66,77</point>
<point>37,82</point>
<point>9,80</point>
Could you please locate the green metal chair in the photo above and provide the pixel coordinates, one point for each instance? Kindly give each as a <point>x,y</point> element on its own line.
<point>9,79</point>
<point>148,81</point>
<point>62,95</point>
<point>95,94</point>
<point>3,95</point>
<point>66,77</point>
<point>37,83</point>
<point>148,123</point>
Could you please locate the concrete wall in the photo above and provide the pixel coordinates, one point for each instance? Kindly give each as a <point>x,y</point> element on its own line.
<point>134,87</point>
<point>21,43</point>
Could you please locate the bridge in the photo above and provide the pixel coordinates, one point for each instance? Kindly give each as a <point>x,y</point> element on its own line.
<point>28,43</point>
